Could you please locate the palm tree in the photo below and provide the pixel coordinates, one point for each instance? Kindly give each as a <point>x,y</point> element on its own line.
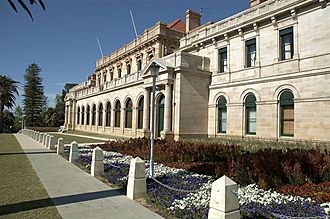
<point>8,90</point>
<point>24,6</point>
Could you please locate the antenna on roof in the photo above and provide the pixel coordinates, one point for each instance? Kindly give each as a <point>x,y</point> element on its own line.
<point>98,42</point>
<point>133,22</point>
<point>204,10</point>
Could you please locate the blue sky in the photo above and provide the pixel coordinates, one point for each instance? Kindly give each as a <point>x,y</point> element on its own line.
<point>62,39</point>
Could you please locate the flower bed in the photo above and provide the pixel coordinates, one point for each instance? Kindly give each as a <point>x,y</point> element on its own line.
<point>254,202</point>
<point>286,166</point>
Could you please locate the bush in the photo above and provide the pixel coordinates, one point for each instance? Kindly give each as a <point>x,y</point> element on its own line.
<point>268,168</point>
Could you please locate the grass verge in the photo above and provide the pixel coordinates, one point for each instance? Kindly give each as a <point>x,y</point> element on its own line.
<point>22,194</point>
<point>93,134</point>
<point>70,138</point>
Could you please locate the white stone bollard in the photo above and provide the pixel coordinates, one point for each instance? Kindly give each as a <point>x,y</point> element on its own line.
<point>40,137</point>
<point>47,140</point>
<point>97,168</point>
<point>51,143</point>
<point>136,186</point>
<point>60,146</point>
<point>44,138</point>
<point>224,203</point>
<point>73,157</point>
<point>37,136</point>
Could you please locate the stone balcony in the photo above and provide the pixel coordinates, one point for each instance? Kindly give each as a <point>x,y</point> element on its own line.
<point>83,90</point>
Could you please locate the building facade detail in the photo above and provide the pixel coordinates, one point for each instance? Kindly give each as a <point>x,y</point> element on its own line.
<point>264,72</point>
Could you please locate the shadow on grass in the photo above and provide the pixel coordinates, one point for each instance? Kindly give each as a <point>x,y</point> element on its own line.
<point>63,200</point>
<point>37,152</point>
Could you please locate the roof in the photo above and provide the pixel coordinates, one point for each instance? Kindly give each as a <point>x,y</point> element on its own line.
<point>177,25</point>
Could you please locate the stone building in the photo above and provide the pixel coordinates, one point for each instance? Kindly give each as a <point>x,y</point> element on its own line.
<point>264,72</point>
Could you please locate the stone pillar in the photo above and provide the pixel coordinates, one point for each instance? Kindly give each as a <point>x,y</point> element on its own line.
<point>97,168</point>
<point>60,146</point>
<point>167,132</point>
<point>104,117</point>
<point>122,118</point>
<point>146,109</point>
<point>136,186</point>
<point>51,143</point>
<point>69,116</point>
<point>73,157</point>
<point>66,115</point>
<point>40,137</point>
<point>46,140</point>
<point>224,203</point>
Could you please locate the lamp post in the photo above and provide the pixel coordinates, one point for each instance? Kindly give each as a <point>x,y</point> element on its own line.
<point>23,126</point>
<point>154,68</point>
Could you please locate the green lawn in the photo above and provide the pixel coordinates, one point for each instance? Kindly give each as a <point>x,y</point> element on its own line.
<point>68,138</point>
<point>96,135</point>
<point>22,194</point>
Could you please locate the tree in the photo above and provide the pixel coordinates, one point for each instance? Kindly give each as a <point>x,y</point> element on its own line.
<point>34,98</point>
<point>24,6</point>
<point>8,90</point>
<point>18,117</point>
<point>8,121</point>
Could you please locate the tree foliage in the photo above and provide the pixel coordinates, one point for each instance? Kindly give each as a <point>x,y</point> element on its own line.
<point>8,90</point>
<point>25,7</point>
<point>34,98</point>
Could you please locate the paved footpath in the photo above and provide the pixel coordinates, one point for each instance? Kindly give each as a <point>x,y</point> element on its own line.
<point>75,193</point>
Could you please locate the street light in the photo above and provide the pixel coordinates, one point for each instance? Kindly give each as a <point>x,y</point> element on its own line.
<point>154,68</point>
<point>23,121</point>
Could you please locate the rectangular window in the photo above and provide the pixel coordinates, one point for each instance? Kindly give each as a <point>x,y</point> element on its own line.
<point>222,121</point>
<point>223,60</point>
<point>286,43</point>
<point>251,121</point>
<point>287,120</point>
<point>119,72</point>
<point>251,52</point>
<point>128,69</point>
<point>139,65</point>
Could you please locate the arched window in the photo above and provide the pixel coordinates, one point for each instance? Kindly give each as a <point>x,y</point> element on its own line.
<point>287,113</point>
<point>108,115</point>
<point>128,113</point>
<point>83,115</point>
<point>93,114</point>
<point>222,115</point>
<point>100,123</point>
<point>78,115</point>
<point>250,114</point>
<point>117,114</point>
<point>88,114</point>
<point>140,113</point>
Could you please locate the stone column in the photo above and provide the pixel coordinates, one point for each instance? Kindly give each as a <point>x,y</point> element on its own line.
<point>60,146</point>
<point>97,168</point>
<point>66,115</point>
<point>112,119</point>
<point>146,109</point>
<point>136,185</point>
<point>167,132</point>
<point>224,202</point>
<point>122,118</point>
<point>104,117</point>
<point>73,157</point>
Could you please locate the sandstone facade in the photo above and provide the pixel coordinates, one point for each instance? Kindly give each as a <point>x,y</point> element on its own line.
<point>264,72</point>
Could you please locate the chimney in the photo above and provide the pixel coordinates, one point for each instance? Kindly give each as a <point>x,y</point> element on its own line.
<point>193,20</point>
<point>256,2</point>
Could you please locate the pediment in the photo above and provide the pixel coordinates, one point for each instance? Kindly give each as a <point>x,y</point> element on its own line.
<point>163,66</point>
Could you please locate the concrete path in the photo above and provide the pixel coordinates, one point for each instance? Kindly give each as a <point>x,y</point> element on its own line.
<point>75,193</point>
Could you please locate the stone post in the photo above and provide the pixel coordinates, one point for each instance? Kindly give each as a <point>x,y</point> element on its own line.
<point>136,186</point>
<point>60,146</point>
<point>73,157</point>
<point>44,138</point>
<point>146,107</point>
<point>51,143</point>
<point>40,137</point>
<point>47,140</point>
<point>224,203</point>
<point>37,137</point>
<point>97,168</point>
